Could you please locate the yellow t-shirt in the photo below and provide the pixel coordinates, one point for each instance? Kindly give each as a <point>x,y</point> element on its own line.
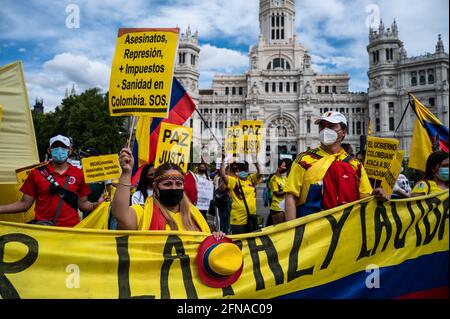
<point>422,187</point>
<point>276,184</point>
<point>303,173</point>
<point>144,217</point>
<point>238,214</point>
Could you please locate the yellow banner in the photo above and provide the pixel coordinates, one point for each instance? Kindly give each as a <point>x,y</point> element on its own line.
<point>381,152</point>
<point>1,115</point>
<point>101,168</point>
<point>391,175</point>
<point>142,72</point>
<point>174,145</point>
<point>253,136</point>
<point>400,238</point>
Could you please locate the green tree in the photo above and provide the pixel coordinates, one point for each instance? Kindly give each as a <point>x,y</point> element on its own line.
<point>84,118</point>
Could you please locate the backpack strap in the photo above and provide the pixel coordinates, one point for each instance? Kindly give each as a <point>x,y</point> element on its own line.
<point>61,199</point>
<point>243,197</point>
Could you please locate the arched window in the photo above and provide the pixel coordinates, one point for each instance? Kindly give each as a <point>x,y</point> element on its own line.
<point>282,131</point>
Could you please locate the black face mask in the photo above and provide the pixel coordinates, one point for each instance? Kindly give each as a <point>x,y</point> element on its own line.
<point>283,170</point>
<point>203,171</point>
<point>170,197</point>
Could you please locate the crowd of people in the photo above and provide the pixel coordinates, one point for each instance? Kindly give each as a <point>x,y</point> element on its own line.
<point>166,198</point>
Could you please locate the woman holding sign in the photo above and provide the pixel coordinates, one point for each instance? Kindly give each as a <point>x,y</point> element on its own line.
<point>168,208</point>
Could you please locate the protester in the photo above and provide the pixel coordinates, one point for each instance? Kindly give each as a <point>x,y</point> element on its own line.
<point>222,201</point>
<point>145,185</point>
<point>97,188</point>
<point>202,180</point>
<point>58,188</point>
<point>276,185</point>
<point>337,178</point>
<point>401,189</point>
<point>190,187</point>
<point>435,179</point>
<point>167,209</point>
<point>242,187</point>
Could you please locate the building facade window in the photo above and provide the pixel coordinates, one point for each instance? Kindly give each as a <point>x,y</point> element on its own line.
<point>288,87</point>
<point>430,76</point>
<point>391,123</point>
<point>326,89</point>
<point>422,79</point>
<point>274,87</point>
<point>431,101</point>
<point>308,126</point>
<point>319,89</point>
<point>233,90</point>
<point>334,89</point>
<point>267,87</point>
<point>413,78</point>
<point>295,86</point>
<point>227,90</point>
<point>241,90</point>
<point>280,86</point>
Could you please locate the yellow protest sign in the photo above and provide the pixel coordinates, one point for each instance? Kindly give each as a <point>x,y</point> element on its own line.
<point>174,145</point>
<point>101,168</point>
<point>233,140</point>
<point>142,72</point>
<point>381,152</point>
<point>334,254</point>
<point>252,136</point>
<point>391,175</point>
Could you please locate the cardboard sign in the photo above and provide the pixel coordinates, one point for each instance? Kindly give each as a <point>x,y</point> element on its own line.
<point>252,136</point>
<point>174,145</point>
<point>391,175</point>
<point>381,152</point>
<point>101,168</point>
<point>142,72</point>
<point>205,191</point>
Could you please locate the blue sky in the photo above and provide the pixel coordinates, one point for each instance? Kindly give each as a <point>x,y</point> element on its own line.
<point>335,31</point>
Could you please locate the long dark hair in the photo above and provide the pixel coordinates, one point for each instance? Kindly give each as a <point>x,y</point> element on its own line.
<point>433,160</point>
<point>144,180</point>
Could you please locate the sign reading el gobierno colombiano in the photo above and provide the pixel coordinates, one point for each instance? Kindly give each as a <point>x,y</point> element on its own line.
<point>142,72</point>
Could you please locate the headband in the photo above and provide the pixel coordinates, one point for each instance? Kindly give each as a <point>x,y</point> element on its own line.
<point>172,177</point>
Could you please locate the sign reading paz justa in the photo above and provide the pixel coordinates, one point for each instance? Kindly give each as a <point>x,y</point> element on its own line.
<point>381,152</point>
<point>142,72</point>
<point>233,140</point>
<point>252,136</point>
<point>101,168</point>
<point>174,145</point>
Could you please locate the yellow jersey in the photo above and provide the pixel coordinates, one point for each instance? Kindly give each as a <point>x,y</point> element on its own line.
<point>238,214</point>
<point>276,184</point>
<point>303,173</point>
<point>426,187</point>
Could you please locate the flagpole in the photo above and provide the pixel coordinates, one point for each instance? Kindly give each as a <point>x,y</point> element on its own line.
<point>131,131</point>
<point>207,126</point>
<point>404,113</point>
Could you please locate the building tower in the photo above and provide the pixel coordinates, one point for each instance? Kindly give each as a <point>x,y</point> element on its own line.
<point>385,52</point>
<point>277,21</point>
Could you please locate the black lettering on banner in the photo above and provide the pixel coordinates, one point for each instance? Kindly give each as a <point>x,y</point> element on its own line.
<point>123,270</point>
<point>418,233</point>
<point>364,252</point>
<point>399,241</point>
<point>336,227</point>
<point>167,134</point>
<point>272,258</point>
<point>228,291</point>
<point>293,273</point>
<point>433,205</point>
<point>381,221</point>
<point>445,216</point>
<point>7,290</point>
<point>172,242</point>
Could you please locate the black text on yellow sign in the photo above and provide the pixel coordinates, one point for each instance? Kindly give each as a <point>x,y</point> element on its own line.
<point>381,152</point>
<point>233,140</point>
<point>142,72</point>
<point>174,145</point>
<point>252,136</point>
<point>101,168</point>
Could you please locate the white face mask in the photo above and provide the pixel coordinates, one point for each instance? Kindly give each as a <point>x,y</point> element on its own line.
<point>328,136</point>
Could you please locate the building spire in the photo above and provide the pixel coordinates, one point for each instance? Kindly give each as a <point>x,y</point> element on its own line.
<point>440,45</point>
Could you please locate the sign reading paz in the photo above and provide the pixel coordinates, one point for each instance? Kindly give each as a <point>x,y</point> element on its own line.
<point>174,145</point>
<point>252,136</point>
<point>101,168</point>
<point>142,72</point>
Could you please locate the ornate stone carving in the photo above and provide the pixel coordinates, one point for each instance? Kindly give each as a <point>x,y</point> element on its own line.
<point>282,124</point>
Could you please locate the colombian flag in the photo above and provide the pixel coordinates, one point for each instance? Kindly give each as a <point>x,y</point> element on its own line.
<point>429,135</point>
<point>147,129</point>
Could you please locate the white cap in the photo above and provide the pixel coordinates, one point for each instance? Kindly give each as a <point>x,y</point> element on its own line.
<point>332,117</point>
<point>60,138</point>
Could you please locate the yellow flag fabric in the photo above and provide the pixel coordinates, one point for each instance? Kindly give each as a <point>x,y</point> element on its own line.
<point>18,146</point>
<point>421,144</point>
<point>332,254</point>
<point>143,138</point>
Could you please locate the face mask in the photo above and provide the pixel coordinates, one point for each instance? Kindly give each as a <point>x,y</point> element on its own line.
<point>170,197</point>
<point>283,171</point>
<point>328,136</point>
<point>443,174</point>
<point>242,175</point>
<point>202,171</point>
<point>60,154</point>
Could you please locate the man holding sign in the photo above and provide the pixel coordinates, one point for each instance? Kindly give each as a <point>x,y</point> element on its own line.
<point>58,188</point>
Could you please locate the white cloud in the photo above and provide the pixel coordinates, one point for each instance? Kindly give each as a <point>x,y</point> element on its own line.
<point>22,50</point>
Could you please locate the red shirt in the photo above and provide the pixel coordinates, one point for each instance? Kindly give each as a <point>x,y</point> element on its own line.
<point>190,187</point>
<point>37,185</point>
